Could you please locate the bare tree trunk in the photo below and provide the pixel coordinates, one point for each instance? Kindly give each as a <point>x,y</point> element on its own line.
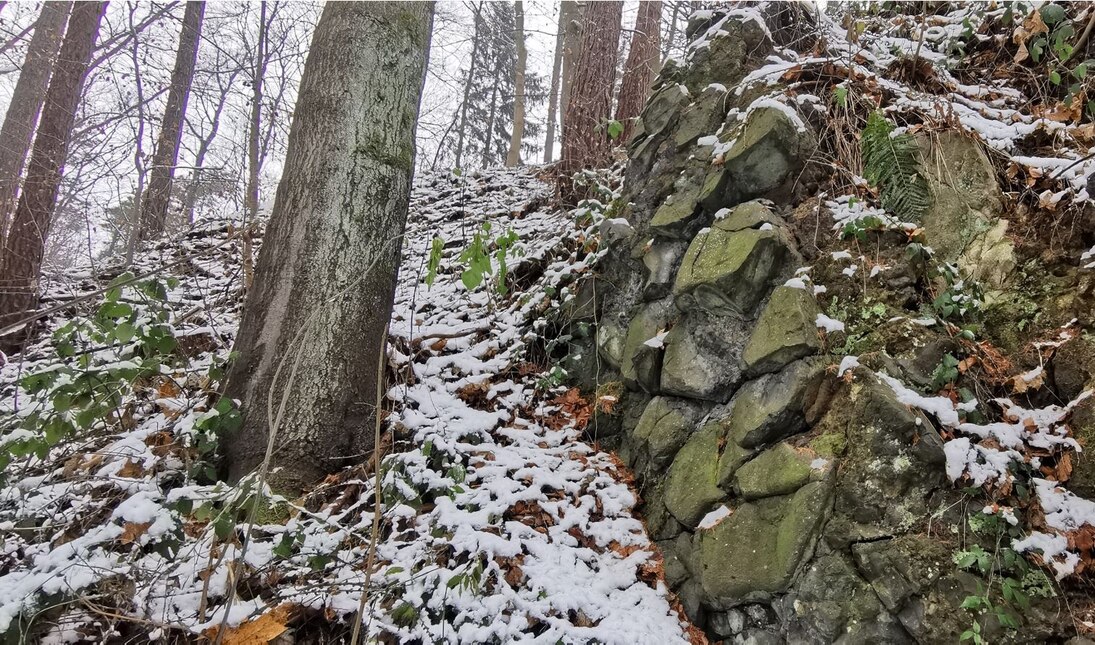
<point>488,134</point>
<point>154,206</point>
<point>556,81</point>
<point>26,104</point>
<point>675,8</point>
<point>314,322</point>
<point>460,132</point>
<point>641,66</point>
<point>514,156</point>
<point>134,228</point>
<point>572,37</point>
<point>252,205</point>
<point>585,141</point>
<point>22,257</point>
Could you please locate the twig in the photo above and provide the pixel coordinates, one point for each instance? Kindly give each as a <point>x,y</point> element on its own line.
<point>371,560</point>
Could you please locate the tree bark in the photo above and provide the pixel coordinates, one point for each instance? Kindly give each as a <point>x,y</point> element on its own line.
<point>641,65</point>
<point>314,322</point>
<point>158,193</point>
<point>514,156</point>
<point>26,105</point>
<point>21,261</point>
<point>461,132</point>
<point>585,140</point>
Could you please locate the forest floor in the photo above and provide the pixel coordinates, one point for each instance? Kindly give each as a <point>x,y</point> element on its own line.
<point>499,523</point>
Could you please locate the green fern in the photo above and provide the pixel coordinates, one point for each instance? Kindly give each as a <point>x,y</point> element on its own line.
<point>890,164</point>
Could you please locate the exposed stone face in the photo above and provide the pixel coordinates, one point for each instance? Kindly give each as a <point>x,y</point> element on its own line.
<point>752,214</point>
<point>690,489</point>
<point>830,479</point>
<point>962,222</point>
<point>785,332</point>
<point>769,150</point>
<point>772,407</point>
<point>663,428</point>
<point>833,603</point>
<point>701,117</point>
<point>640,362</point>
<point>780,470</point>
<point>661,262</point>
<point>729,273</point>
<point>699,356</point>
<point>755,552</point>
<point>894,460</point>
<point>729,56</point>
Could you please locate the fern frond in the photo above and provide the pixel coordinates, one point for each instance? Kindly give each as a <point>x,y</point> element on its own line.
<point>889,163</point>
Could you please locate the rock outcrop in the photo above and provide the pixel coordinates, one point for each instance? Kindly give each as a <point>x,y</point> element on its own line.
<point>791,502</point>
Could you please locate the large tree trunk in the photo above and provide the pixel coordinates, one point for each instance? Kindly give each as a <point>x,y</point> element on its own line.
<point>461,131</point>
<point>26,104</point>
<point>158,193</point>
<point>514,156</point>
<point>641,66</point>
<point>22,257</point>
<point>585,140</point>
<point>314,322</point>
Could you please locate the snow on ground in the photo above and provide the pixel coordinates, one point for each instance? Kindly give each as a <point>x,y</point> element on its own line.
<point>500,523</point>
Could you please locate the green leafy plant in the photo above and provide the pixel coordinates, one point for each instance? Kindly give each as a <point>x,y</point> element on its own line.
<point>959,298</point>
<point>1017,581</point>
<point>484,257</point>
<point>434,262</point>
<point>98,365</point>
<point>946,372</point>
<point>889,162</point>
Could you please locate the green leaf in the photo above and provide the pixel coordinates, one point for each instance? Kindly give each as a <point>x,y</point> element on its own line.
<point>890,163</point>
<point>840,95</point>
<point>124,332</point>
<point>615,129</point>
<point>1055,78</point>
<point>1080,71</point>
<point>223,527</point>
<point>1052,14</point>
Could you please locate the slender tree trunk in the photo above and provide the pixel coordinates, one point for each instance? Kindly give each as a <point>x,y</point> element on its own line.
<point>22,257</point>
<point>252,206</point>
<point>323,290</point>
<point>462,130</point>
<point>585,140</point>
<point>156,197</point>
<point>574,12</point>
<point>134,228</point>
<point>514,156</point>
<point>675,8</point>
<point>26,104</point>
<point>488,134</point>
<point>641,66</point>
<point>556,81</point>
